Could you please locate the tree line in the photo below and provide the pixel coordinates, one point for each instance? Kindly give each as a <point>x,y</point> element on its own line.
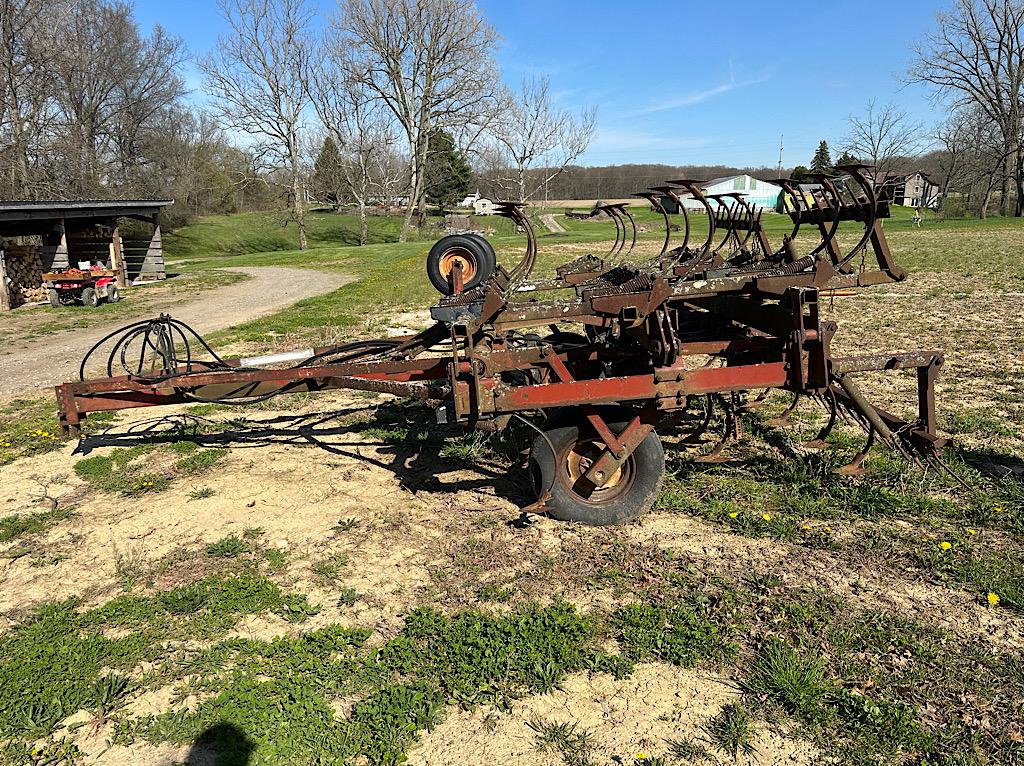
<point>400,102</point>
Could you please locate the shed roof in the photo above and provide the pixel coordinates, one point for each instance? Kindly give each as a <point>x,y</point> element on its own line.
<point>36,210</point>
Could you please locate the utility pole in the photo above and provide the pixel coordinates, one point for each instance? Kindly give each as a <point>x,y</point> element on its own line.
<point>780,155</point>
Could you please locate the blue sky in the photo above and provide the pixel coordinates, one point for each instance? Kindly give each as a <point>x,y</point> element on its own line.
<point>687,82</point>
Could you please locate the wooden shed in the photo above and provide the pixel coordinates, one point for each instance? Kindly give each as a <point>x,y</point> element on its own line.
<point>43,235</point>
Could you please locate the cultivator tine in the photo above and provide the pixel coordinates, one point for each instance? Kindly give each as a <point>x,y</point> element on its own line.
<point>620,230</point>
<point>695,191</point>
<point>757,402</point>
<point>728,220</point>
<point>655,201</point>
<point>730,432</point>
<point>855,467</point>
<point>833,201</point>
<point>871,203</point>
<point>783,418</point>
<point>621,206</point>
<point>818,442</point>
<point>668,191</point>
<point>514,212</point>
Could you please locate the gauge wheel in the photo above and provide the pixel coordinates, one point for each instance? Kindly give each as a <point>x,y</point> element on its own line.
<point>89,297</point>
<point>473,252</point>
<point>113,295</point>
<point>560,458</point>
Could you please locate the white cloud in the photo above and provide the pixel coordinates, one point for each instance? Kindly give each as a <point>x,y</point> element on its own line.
<point>692,99</point>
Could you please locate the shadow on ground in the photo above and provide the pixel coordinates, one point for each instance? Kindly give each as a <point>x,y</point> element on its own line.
<point>222,744</point>
<point>417,462</point>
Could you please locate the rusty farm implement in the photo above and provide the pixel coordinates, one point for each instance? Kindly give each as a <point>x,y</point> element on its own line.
<point>626,347</point>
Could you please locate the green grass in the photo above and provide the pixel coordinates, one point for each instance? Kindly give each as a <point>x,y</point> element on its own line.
<point>16,527</point>
<point>731,730</point>
<point>30,427</point>
<point>145,468</point>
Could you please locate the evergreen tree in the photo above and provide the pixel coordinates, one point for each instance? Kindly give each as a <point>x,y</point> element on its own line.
<point>328,177</point>
<point>800,174</point>
<point>822,162</point>
<point>848,159</point>
<point>447,176</point>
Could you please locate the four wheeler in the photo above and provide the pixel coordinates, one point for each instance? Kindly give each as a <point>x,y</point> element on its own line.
<point>80,286</point>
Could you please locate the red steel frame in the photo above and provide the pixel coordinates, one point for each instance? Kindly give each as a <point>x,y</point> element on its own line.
<point>753,315</point>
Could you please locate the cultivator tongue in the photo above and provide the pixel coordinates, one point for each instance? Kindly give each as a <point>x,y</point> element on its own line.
<point>712,323</point>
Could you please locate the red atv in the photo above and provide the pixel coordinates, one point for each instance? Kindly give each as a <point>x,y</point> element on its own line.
<point>79,286</point>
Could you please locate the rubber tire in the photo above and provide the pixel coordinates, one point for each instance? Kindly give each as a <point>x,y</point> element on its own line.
<point>113,295</point>
<point>479,247</point>
<point>89,298</point>
<point>565,505</point>
<point>54,297</point>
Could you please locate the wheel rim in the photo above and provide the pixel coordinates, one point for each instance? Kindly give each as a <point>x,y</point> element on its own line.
<point>578,459</point>
<point>462,256</point>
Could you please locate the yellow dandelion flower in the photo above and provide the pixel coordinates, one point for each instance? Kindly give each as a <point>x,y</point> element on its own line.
<point>945,545</point>
<point>641,756</point>
<point>993,599</point>
<point>734,514</point>
<point>972,531</point>
<point>37,751</point>
<point>807,526</point>
<point>766,516</point>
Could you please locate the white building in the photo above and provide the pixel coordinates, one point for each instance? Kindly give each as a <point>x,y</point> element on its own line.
<point>483,206</point>
<point>761,195</point>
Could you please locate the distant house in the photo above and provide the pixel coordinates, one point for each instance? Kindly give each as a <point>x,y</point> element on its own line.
<point>483,206</point>
<point>761,195</point>
<point>913,190</point>
<point>470,200</point>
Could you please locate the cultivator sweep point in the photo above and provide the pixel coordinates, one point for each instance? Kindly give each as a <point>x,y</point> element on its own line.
<point>629,347</point>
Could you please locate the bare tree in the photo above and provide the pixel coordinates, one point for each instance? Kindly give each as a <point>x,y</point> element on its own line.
<point>882,136</point>
<point>430,63</point>
<point>976,56</point>
<point>27,49</point>
<point>360,125</point>
<point>256,75</point>
<point>539,141</point>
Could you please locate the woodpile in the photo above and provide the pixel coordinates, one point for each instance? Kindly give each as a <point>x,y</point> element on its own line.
<point>24,274</point>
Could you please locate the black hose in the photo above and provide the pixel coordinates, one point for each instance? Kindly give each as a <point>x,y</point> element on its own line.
<point>158,340</point>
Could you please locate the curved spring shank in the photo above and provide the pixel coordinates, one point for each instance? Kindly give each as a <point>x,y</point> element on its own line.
<point>698,194</point>
<point>835,202</point>
<point>620,230</point>
<point>798,203</point>
<point>621,207</point>
<point>513,211</point>
<point>728,222</point>
<point>656,202</point>
<point>857,173</point>
<point>670,192</point>
<point>750,219</point>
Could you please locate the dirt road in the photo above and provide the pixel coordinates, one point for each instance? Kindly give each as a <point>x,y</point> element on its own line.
<point>51,360</point>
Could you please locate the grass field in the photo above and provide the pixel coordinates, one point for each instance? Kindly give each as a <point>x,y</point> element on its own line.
<point>335,580</point>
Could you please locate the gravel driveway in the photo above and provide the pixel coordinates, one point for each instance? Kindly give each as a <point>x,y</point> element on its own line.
<point>54,359</point>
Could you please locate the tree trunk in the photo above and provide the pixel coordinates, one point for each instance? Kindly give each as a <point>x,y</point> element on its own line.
<point>1004,186</point>
<point>1018,209</point>
<point>298,203</point>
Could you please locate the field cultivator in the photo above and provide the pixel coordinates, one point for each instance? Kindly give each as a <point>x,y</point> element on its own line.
<point>628,347</point>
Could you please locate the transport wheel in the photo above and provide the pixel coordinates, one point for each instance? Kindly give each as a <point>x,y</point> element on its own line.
<point>89,298</point>
<point>113,296</point>
<point>472,251</point>
<point>54,297</point>
<point>628,494</point>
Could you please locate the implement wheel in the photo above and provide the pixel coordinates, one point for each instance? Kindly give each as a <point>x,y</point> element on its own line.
<point>628,493</point>
<point>473,252</point>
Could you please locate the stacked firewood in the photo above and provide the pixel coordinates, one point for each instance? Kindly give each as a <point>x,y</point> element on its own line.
<point>24,274</point>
